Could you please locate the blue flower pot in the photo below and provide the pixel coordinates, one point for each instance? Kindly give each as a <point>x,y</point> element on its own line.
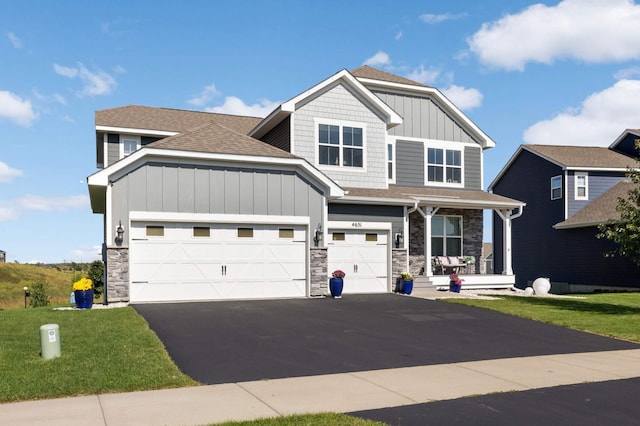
<point>453,287</point>
<point>84,298</point>
<point>407,286</point>
<point>335,287</point>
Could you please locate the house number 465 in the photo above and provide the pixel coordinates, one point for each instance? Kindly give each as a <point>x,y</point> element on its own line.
<point>357,224</point>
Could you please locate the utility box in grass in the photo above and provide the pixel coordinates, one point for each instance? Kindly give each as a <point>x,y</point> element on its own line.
<point>49,341</point>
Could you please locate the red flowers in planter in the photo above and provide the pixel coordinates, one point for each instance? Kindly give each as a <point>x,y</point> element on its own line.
<point>456,279</point>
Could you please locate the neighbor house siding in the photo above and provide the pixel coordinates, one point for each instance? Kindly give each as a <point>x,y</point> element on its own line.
<point>533,237</point>
<point>157,187</point>
<point>423,118</point>
<point>598,184</point>
<point>339,103</point>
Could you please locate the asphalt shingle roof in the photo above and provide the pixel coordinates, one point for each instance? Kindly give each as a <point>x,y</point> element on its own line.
<point>366,71</point>
<point>600,210</point>
<point>583,156</point>
<point>171,120</point>
<point>215,138</point>
<point>409,192</point>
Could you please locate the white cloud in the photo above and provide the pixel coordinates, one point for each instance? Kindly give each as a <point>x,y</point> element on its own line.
<point>85,254</point>
<point>586,30</point>
<point>7,213</point>
<point>235,106</point>
<point>463,98</point>
<point>16,109</point>
<point>56,97</point>
<point>94,83</point>
<point>627,73</point>
<point>380,58</point>
<point>15,40</point>
<point>399,35</point>
<point>424,76</point>
<point>601,118</point>
<point>431,18</point>
<point>7,173</point>
<point>33,202</point>
<point>206,94</point>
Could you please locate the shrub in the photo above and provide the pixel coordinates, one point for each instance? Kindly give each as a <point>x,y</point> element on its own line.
<point>39,295</point>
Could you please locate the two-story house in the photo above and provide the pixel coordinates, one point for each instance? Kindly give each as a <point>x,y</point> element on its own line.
<point>366,172</point>
<point>569,191</point>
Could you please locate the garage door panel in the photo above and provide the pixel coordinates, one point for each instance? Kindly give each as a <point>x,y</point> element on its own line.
<point>179,266</point>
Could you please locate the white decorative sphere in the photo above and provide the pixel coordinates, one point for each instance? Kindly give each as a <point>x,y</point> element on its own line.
<point>541,286</point>
<point>528,291</point>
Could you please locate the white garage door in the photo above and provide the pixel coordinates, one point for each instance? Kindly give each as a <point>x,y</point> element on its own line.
<point>362,255</point>
<point>181,262</point>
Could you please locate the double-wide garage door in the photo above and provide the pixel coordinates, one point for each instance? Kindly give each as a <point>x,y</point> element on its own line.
<point>183,262</point>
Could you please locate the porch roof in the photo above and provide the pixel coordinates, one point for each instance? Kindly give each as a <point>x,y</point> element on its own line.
<point>435,197</point>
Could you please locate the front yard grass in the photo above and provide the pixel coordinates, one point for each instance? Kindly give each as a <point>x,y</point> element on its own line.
<point>323,419</point>
<point>103,351</point>
<point>608,314</point>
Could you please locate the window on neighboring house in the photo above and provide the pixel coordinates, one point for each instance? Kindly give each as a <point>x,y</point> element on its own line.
<point>390,162</point>
<point>446,236</point>
<point>130,145</point>
<point>444,165</point>
<point>582,191</point>
<point>340,145</point>
<point>556,187</point>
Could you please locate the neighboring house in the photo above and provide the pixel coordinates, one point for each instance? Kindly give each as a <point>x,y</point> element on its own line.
<point>569,191</point>
<point>3,256</point>
<point>366,171</point>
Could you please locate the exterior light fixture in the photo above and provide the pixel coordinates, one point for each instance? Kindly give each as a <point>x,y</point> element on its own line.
<point>399,237</point>
<point>27,293</point>
<point>120,231</point>
<point>317,236</point>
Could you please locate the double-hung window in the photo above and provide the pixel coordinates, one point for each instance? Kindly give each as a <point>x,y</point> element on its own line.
<point>340,145</point>
<point>391,177</point>
<point>582,187</point>
<point>130,144</point>
<point>446,236</point>
<point>444,166</point>
<point>556,187</point>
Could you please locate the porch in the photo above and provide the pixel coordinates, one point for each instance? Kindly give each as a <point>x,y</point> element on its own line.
<point>471,281</point>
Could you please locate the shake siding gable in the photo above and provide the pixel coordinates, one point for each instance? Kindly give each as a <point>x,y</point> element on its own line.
<point>338,103</point>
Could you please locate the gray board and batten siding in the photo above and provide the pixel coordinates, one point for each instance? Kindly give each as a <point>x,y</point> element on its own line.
<point>182,188</point>
<point>423,118</point>
<point>411,159</point>
<point>367,213</point>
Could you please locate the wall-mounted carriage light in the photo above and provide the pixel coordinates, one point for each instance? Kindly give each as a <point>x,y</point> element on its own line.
<point>120,232</point>
<point>398,238</point>
<point>317,236</point>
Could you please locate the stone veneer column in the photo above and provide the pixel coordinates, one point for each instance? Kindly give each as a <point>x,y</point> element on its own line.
<point>319,274</point>
<point>117,271</point>
<point>398,265</point>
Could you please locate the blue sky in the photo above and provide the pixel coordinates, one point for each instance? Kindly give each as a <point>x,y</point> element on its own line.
<point>549,72</point>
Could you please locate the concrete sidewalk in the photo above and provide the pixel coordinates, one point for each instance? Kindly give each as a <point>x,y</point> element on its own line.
<point>344,392</point>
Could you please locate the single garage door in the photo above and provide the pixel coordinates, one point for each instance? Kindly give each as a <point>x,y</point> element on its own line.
<point>362,255</point>
<point>183,262</point>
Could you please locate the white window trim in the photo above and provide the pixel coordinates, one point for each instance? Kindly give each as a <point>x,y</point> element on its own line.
<point>551,187</point>
<point>444,243</point>
<point>586,185</point>
<point>341,124</point>
<point>131,138</point>
<point>394,161</point>
<point>444,146</point>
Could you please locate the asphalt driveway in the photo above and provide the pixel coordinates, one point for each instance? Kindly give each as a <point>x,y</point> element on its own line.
<point>234,341</point>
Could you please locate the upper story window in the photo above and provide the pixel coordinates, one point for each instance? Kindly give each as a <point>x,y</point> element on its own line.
<point>391,170</point>
<point>444,166</point>
<point>556,187</point>
<point>340,145</point>
<point>582,187</point>
<point>129,144</point>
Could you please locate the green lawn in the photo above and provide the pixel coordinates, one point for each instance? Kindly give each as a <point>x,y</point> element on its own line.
<point>324,419</point>
<point>609,314</point>
<point>103,350</point>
